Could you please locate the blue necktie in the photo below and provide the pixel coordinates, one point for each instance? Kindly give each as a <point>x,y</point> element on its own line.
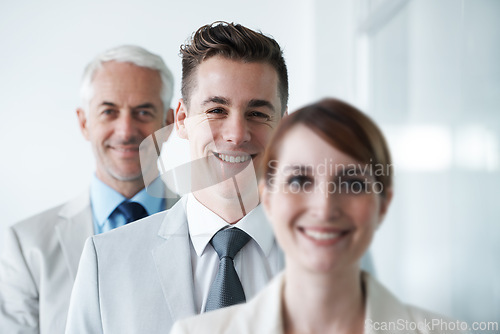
<point>132,211</point>
<point>226,290</point>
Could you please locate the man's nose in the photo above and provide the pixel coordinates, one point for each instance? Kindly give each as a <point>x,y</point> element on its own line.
<point>236,129</point>
<point>126,126</point>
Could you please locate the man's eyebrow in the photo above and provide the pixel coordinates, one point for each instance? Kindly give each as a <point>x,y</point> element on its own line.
<point>146,105</point>
<point>260,103</point>
<point>216,99</point>
<point>109,104</point>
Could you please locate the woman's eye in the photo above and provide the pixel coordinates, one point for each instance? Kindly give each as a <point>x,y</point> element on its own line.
<point>299,182</point>
<point>353,186</point>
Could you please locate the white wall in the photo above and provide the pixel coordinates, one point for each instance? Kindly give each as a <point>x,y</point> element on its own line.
<point>429,75</point>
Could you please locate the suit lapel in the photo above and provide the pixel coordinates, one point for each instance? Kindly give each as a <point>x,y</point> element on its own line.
<point>170,202</point>
<point>382,306</point>
<point>173,262</point>
<point>268,307</point>
<point>74,227</point>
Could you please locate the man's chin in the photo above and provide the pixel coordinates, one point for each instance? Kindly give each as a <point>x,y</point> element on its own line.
<point>126,176</point>
<point>242,183</point>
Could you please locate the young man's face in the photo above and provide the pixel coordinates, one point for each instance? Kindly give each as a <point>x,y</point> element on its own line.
<point>233,110</point>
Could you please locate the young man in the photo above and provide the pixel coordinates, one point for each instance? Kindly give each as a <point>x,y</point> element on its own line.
<point>145,276</point>
<point>126,93</point>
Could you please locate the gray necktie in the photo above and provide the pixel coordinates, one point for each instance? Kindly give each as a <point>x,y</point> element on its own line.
<point>226,290</point>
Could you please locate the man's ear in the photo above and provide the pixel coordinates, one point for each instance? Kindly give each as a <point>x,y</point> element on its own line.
<point>83,122</point>
<point>285,113</point>
<point>180,119</point>
<point>170,117</point>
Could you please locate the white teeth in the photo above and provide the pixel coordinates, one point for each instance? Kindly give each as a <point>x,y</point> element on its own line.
<point>320,235</point>
<point>232,159</point>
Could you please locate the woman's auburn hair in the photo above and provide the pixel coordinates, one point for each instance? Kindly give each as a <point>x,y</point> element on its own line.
<point>344,127</point>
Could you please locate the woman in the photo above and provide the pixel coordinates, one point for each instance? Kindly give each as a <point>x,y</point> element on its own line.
<point>326,189</point>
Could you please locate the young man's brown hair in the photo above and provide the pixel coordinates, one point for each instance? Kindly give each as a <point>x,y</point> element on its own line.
<point>235,42</point>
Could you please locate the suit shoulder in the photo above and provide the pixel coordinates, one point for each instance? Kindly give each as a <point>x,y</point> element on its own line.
<point>35,232</point>
<point>37,226</point>
<point>49,217</point>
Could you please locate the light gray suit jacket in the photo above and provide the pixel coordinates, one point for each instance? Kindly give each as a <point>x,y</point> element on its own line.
<point>38,265</point>
<point>147,280</point>
<point>263,314</point>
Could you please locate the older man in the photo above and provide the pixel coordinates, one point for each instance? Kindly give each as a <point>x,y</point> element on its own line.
<point>126,94</point>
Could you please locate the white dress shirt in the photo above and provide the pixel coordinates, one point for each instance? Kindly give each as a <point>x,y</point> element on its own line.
<point>256,263</point>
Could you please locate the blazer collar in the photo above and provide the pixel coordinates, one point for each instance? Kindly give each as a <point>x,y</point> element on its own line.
<point>381,305</point>
<point>267,307</point>
<point>276,290</point>
<point>74,226</point>
<point>173,262</point>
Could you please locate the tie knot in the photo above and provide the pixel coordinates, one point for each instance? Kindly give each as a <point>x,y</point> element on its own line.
<point>228,242</point>
<point>132,211</point>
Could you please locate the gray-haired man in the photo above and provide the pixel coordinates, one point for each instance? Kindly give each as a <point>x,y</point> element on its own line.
<point>126,94</point>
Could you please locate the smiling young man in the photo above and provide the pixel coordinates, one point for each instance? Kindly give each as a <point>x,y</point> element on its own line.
<point>126,93</point>
<point>145,276</point>
<point>228,120</point>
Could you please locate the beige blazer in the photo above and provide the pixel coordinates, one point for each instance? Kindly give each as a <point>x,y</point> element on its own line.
<point>38,266</point>
<point>262,314</point>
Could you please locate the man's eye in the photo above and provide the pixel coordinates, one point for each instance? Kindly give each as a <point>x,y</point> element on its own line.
<point>145,113</point>
<point>259,116</point>
<point>108,112</point>
<point>216,111</point>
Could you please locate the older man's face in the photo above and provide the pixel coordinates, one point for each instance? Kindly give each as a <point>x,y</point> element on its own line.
<point>126,107</point>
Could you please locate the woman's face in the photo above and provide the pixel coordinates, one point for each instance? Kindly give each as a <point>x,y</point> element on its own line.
<point>323,204</point>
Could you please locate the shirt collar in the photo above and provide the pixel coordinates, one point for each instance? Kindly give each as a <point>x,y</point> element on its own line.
<point>105,199</point>
<point>203,224</point>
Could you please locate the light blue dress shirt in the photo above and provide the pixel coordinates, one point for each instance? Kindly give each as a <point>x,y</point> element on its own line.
<point>105,199</point>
